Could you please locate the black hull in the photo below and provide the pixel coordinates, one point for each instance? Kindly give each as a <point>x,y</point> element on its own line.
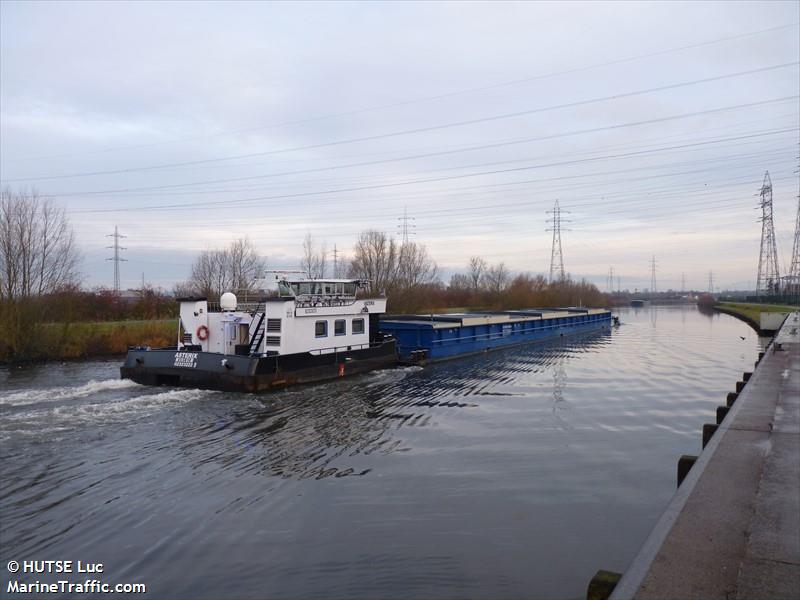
<point>208,370</point>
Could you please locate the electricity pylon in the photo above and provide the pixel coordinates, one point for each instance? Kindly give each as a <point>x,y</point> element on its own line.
<point>406,228</point>
<point>653,276</point>
<point>556,253</point>
<point>768,281</point>
<point>116,258</point>
<point>793,281</point>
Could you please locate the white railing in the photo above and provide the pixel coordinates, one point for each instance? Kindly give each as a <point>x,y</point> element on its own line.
<point>323,301</point>
<point>348,348</point>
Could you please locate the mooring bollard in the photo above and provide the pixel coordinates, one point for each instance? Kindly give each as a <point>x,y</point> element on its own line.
<point>685,463</point>
<point>760,356</point>
<point>740,386</point>
<point>708,430</point>
<point>602,584</point>
<point>721,412</point>
<point>732,396</point>
<point>746,376</point>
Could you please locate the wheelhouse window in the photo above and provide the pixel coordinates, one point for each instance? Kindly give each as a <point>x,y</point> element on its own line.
<point>340,327</point>
<point>358,326</point>
<point>321,329</point>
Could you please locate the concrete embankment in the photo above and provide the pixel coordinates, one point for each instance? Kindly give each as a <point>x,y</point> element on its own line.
<point>764,318</point>
<point>732,530</point>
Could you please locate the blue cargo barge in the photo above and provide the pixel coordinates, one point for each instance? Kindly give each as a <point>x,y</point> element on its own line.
<point>441,336</point>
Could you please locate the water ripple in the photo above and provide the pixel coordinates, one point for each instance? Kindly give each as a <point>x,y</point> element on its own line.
<point>485,477</point>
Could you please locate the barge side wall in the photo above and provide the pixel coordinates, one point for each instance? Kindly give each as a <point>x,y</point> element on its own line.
<point>450,342</point>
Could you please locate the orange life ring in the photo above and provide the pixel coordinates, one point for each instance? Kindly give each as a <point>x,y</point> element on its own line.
<point>202,333</point>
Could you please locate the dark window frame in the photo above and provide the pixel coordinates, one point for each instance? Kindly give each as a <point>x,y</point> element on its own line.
<point>316,325</point>
<point>353,327</point>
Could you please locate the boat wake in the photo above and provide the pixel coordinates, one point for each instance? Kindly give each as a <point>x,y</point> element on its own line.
<point>50,419</point>
<point>64,393</point>
<point>136,406</point>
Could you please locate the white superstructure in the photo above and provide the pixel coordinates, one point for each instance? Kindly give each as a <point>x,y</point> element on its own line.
<point>293,316</point>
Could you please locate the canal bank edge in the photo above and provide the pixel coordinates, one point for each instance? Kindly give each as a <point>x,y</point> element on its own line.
<point>732,529</point>
<point>746,314</point>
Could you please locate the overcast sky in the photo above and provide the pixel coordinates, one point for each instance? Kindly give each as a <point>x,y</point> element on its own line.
<point>189,125</point>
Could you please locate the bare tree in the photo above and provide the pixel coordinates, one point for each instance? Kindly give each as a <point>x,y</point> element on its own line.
<point>245,264</point>
<point>314,261</point>
<point>390,266</point>
<point>414,266</point>
<point>233,269</point>
<point>38,254</point>
<point>477,268</point>
<point>375,258</point>
<point>209,275</point>
<point>495,279</point>
<point>459,281</point>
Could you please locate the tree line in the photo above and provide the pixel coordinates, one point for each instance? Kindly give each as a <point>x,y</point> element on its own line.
<point>40,282</point>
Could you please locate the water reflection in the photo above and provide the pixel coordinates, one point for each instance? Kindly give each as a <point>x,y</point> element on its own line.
<point>320,431</point>
<point>559,383</point>
<point>485,477</point>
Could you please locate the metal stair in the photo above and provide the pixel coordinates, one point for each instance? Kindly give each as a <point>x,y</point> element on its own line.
<point>258,336</point>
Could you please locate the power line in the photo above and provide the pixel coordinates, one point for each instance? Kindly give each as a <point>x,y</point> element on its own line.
<point>758,134</point>
<point>689,206</point>
<point>457,149</point>
<point>441,96</point>
<point>350,189</point>
<point>415,130</point>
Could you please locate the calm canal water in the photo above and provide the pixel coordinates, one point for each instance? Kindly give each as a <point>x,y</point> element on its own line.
<point>516,474</point>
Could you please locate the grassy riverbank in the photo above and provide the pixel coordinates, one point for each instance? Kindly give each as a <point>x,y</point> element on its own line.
<point>753,311</point>
<point>62,341</point>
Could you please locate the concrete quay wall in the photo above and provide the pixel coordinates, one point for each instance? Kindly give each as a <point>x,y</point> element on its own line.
<point>732,529</point>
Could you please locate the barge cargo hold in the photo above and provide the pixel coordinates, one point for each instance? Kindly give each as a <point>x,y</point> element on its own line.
<point>443,336</point>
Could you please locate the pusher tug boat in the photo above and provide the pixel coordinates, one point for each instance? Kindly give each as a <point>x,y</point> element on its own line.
<point>299,331</point>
